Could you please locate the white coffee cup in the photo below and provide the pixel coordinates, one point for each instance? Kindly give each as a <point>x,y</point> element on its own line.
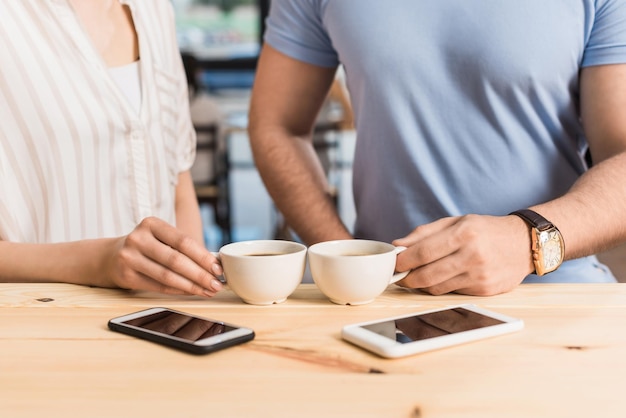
<point>263,272</point>
<point>353,272</point>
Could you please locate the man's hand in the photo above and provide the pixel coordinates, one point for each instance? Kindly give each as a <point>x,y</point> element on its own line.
<point>472,254</point>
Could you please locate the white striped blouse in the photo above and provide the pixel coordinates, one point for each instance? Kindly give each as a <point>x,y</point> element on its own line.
<point>76,160</point>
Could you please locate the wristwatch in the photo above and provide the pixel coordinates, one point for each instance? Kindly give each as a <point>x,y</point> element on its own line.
<point>548,247</point>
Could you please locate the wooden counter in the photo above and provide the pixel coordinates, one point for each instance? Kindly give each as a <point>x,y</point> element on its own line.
<point>57,358</point>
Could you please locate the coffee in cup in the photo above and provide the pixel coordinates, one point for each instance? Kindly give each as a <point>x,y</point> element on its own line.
<point>353,272</point>
<point>263,272</point>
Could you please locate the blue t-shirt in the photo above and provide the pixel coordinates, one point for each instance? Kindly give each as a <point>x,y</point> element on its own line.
<point>460,106</point>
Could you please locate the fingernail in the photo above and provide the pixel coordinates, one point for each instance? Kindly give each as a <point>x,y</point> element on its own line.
<point>217,269</point>
<point>216,285</point>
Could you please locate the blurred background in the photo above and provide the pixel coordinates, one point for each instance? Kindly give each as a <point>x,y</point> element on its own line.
<point>220,41</point>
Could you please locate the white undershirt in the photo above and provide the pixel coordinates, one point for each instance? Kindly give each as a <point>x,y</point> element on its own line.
<point>128,79</point>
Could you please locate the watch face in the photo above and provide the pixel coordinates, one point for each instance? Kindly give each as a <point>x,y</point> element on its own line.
<point>551,249</point>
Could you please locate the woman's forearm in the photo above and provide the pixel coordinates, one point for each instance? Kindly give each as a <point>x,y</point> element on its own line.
<point>79,262</point>
<point>188,217</point>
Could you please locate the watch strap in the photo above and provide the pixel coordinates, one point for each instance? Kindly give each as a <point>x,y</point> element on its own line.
<point>533,218</point>
<point>541,225</point>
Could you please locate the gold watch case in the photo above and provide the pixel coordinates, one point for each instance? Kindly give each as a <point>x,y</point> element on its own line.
<point>548,250</point>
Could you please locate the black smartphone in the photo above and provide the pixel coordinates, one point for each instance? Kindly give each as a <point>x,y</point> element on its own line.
<point>190,333</point>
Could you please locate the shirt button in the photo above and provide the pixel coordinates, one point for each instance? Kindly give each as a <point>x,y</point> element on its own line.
<point>135,135</point>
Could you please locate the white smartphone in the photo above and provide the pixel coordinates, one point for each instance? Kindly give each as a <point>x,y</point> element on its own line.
<point>181,330</point>
<point>429,330</point>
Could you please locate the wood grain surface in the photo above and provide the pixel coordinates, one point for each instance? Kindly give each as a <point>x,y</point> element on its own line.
<point>57,358</point>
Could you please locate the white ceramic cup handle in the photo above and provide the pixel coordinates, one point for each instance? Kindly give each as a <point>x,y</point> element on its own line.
<point>399,276</point>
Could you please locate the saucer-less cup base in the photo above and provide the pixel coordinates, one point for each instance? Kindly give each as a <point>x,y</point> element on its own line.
<point>263,272</point>
<point>353,272</point>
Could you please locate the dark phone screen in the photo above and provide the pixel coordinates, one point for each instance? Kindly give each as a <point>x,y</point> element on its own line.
<point>434,324</point>
<point>178,325</point>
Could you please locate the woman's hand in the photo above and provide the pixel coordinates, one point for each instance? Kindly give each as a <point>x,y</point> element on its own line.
<point>156,256</point>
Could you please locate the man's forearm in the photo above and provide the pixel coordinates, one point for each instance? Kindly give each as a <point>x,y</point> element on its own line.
<point>296,182</point>
<point>592,215</point>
